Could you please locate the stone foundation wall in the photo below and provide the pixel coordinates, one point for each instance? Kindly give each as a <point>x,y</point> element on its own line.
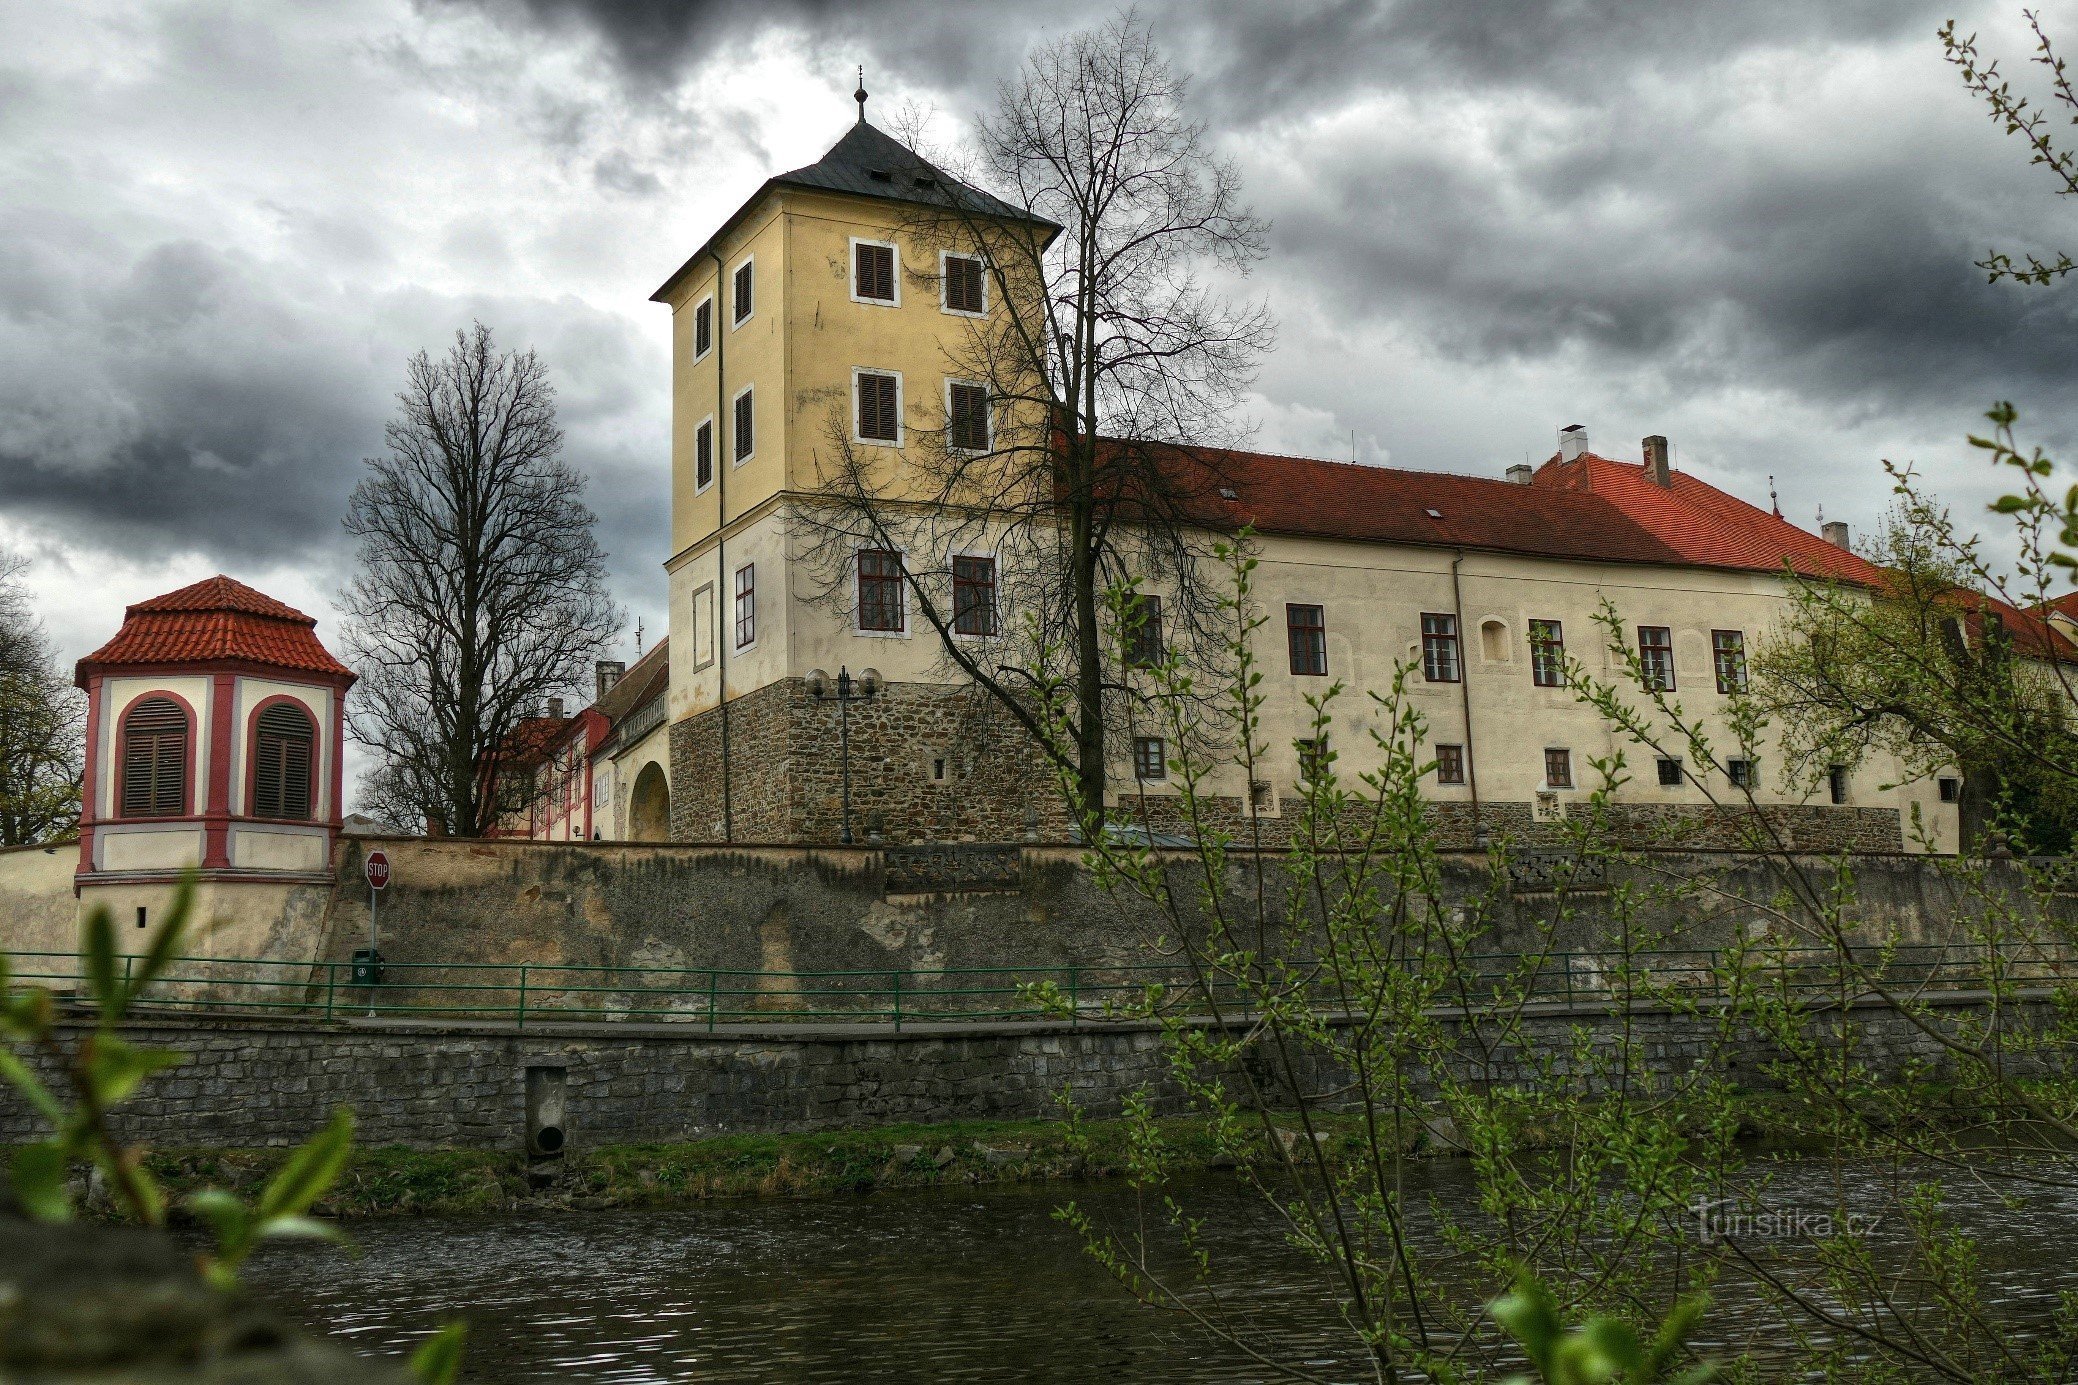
<point>258,1084</point>
<point>930,763</point>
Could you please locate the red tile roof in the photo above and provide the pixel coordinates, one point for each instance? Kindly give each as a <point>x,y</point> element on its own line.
<point>1591,509</point>
<point>216,620</point>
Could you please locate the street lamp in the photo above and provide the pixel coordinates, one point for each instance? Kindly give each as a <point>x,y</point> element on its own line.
<point>847,691</point>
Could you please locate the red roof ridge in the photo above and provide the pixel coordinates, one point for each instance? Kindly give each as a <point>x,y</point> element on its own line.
<point>221,593</point>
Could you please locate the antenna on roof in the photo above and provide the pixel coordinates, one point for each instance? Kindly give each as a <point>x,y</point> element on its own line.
<point>638,637</point>
<point>1821,516</point>
<point>860,95</point>
<point>1774,501</point>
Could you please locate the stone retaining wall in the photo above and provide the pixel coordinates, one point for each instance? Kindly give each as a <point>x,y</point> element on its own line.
<point>248,1084</point>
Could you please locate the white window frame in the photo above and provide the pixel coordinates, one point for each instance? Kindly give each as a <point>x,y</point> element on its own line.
<point>901,423</point>
<point>943,306</point>
<point>951,606</point>
<point>736,458</point>
<point>988,421</point>
<point>712,302</point>
<point>901,591</point>
<point>851,272</point>
<point>714,459</point>
<point>735,321</point>
<point>757,626</point>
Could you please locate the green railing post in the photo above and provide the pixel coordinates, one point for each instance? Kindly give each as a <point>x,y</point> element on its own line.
<point>1075,997</point>
<point>331,980</point>
<point>898,1000</point>
<point>713,996</point>
<point>523,996</point>
<point>1569,977</point>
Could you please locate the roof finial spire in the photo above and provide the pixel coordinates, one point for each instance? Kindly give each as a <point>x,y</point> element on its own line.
<point>1774,501</point>
<point>860,95</point>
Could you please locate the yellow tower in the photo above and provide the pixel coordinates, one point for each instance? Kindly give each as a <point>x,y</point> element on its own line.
<point>831,301</point>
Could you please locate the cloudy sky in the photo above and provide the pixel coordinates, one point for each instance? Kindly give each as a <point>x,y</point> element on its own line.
<point>1746,224</point>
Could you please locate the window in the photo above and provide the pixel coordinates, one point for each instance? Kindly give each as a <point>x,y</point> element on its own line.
<point>1306,631</point>
<point>1670,772</point>
<point>1439,659</point>
<point>879,411</point>
<point>1313,759</point>
<point>746,414</point>
<point>283,739</point>
<point>1493,642</point>
<point>880,589</point>
<point>1150,758</point>
<point>966,417</point>
<point>1144,633</point>
<point>746,605</point>
<point>1547,654</point>
<point>704,632</point>
<point>1836,783</point>
<point>1450,764</point>
<point>155,759</point>
<point>703,455</point>
<point>1744,774</point>
<point>1728,653</point>
<point>1558,769</point>
<point>741,301</point>
<point>1656,657</point>
<point>703,328</point>
<point>873,272</point>
<point>973,595</point>
<point>966,284</point>
<point>1951,790</point>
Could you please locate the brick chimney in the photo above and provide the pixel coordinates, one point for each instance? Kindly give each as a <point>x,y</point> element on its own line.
<point>1657,469</point>
<point>1835,532</point>
<point>1520,473</point>
<point>555,708</point>
<point>610,671</point>
<point>1572,441</point>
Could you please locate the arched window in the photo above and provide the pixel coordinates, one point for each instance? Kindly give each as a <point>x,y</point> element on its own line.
<point>282,740</point>
<point>155,759</point>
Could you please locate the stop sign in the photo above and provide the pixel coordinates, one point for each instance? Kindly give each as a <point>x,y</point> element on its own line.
<point>377,869</point>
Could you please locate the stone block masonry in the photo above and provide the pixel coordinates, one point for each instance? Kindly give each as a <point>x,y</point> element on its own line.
<point>931,763</point>
<point>255,1084</point>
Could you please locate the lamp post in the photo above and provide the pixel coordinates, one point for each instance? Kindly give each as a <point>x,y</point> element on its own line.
<point>847,691</point>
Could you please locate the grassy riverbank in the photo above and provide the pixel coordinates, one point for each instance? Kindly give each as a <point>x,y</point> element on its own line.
<point>393,1181</point>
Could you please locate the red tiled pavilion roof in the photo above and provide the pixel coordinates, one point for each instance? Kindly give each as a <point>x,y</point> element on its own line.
<point>216,620</point>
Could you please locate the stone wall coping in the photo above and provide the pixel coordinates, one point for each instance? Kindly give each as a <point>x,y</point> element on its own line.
<point>920,1030</point>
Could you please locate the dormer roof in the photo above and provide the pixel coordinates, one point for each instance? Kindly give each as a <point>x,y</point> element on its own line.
<point>218,620</point>
<point>869,162</point>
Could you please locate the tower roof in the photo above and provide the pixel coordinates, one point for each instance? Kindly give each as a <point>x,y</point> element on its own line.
<point>869,162</point>
<point>216,620</point>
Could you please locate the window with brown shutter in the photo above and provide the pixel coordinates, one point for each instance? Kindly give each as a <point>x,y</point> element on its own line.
<point>703,456</point>
<point>878,411</point>
<point>703,328</point>
<point>155,759</point>
<point>283,742</point>
<point>966,409</point>
<point>964,290</point>
<point>746,416</point>
<point>873,271</point>
<point>744,289</point>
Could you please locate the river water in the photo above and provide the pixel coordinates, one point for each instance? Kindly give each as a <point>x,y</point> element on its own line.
<point>970,1284</point>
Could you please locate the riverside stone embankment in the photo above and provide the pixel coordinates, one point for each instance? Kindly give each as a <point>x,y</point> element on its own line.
<point>260,1083</point>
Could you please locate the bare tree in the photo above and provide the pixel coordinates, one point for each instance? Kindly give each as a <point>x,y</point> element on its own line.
<point>481,590</point>
<point>41,725</point>
<point>2026,117</point>
<point>1109,368</point>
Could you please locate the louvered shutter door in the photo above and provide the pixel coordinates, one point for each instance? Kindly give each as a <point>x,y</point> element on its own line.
<point>281,763</point>
<point>155,739</point>
<point>877,407</point>
<point>963,284</point>
<point>970,417</point>
<point>875,272</point>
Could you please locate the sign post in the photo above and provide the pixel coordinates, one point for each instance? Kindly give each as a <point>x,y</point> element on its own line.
<point>377,868</point>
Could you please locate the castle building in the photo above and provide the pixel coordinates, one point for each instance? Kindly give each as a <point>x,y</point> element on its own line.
<point>215,726</point>
<point>817,306</point>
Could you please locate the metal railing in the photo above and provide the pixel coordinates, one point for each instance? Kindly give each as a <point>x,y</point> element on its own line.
<point>709,997</point>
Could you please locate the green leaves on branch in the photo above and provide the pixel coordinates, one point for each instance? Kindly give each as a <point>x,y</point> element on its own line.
<point>1602,1350</point>
<point>283,1206</point>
